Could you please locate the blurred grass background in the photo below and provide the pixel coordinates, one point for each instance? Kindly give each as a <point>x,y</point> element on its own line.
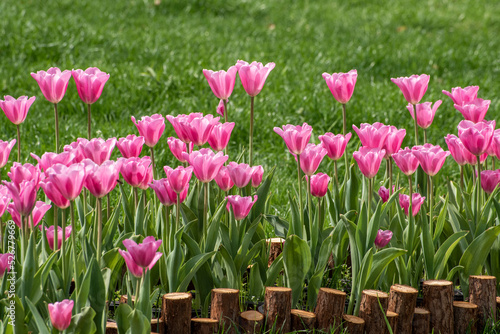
<point>155,55</point>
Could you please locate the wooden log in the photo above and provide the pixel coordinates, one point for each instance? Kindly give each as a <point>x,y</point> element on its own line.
<point>329,309</point>
<point>157,325</point>
<point>393,319</point>
<point>277,308</point>
<point>225,308</point>
<point>498,307</point>
<point>251,322</point>
<point>353,324</point>
<point>421,323</point>
<point>124,299</point>
<point>204,326</point>
<point>402,300</point>
<point>372,314</point>
<point>482,292</point>
<point>464,315</point>
<point>111,328</point>
<point>275,248</point>
<point>176,309</point>
<point>438,299</point>
<point>302,320</point>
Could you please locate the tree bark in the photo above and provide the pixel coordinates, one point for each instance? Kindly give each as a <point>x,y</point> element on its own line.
<point>498,307</point>
<point>402,300</point>
<point>176,310</point>
<point>275,248</point>
<point>438,299</point>
<point>393,319</point>
<point>329,309</point>
<point>421,321</point>
<point>482,292</point>
<point>251,322</point>
<point>464,314</point>
<point>303,320</point>
<point>370,311</point>
<point>204,326</point>
<point>225,308</point>
<point>277,308</point>
<point>157,325</point>
<point>353,324</point>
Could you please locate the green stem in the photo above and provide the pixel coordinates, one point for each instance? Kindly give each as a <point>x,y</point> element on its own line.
<point>153,161</point>
<point>73,241</point>
<point>57,127</point>
<point>344,131</point>
<point>411,221</point>
<point>320,220</point>
<point>99,231</point>
<point>1,235</point>
<point>309,206</point>
<point>251,131</point>
<point>389,162</point>
<point>415,124</point>
<point>18,144</point>
<point>135,199</point>
<point>431,198</point>
<point>478,187</point>
<point>225,110</point>
<point>177,212</point>
<point>370,190</point>
<point>336,175</point>
<point>108,207</point>
<point>462,178</point>
<point>23,241</point>
<point>300,191</point>
<point>425,136</point>
<point>55,230</point>
<point>138,288</point>
<point>166,230</point>
<point>89,120</point>
<point>63,249</point>
<point>205,209</point>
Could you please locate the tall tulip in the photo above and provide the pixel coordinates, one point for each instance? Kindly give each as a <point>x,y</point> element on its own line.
<point>52,238</point>
<point>130,146</point>
<point>311,157</point>
<point>5,148</point>
<point>461,95</point>
<point>97,149</point>
<point>199,128</point>
<point>408,164</point>
<point>179,123</point>
<point>60,314</point>
<point>49,159</point>
<point>26,172</point>
<point>16,111</point>
<point>220,135</point>
<point>39,210</point>
<point>425,114</point>
<point>369,160</point>
<point>416,202</point>
<point>169,197</point>
<point>137,171</point>
<point>372,135</point>
<point>5,263</point>
<point>475,110</point>
<point>461,155</point>
<point>392,145</point>
<point>335,146</point>
<point>241,174</point>
<point>257,175</point>
<point>241,205</point>
<point>151,128</point>
<point>53,84</point>
<point>222,84</point>
<point>319,184</point>
<point>490,179</point>
<point>89,84</point>
<point>382,238</point>
<point>179,178</point>
<point>223,179</point>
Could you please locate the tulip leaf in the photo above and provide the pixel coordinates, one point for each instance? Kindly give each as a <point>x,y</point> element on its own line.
<point>274,270</point>
<point>444,252</point>
<point>213,229</point>
<point>281,226</point>
<point>381,260</point>
<point>262,194</point>
<point>297,260</point>
<point>122,317</point>
<point>143,304</point>
<point>190,268</point>
<point>351,191</point>
<point>82,323</point>
<point>428,249</point>
<point>127,209</point>
<point>296,225</point>
<point>40,323</point>
<point>255,285</point>
<point>138,323</point>
<point>231,272</point>
<point>29,268</point>
<point>139,220</point>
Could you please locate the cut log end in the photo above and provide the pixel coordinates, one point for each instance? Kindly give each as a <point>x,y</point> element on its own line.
<point>302,320</point>
<point>464,317</point>
<point>353,324</point>
<point>251,322</point>
<point>376,293</point>
<point>204,326</point>
<point>329,308</point>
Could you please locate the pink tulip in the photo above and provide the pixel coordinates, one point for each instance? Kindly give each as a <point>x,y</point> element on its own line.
<point>90,83</point>
<point>178,178</point>
<point>491,149</point>
<point>16,110</point>
<point>253,76</point>
<point>220,108</point>
<point>26,172</point>
<point>53,83</point>
<point>74,148</point>
<point>60,314</point>
<point>166,194</point>
<point>223,179</point>
<point>476,137</point>
<point>5,199</point>
<point>101,180</point>
<point>130,146</point>
<point>206,163</point>
<point>431,157</point>
<point>179,123</point>
<point>319,184</point>
<point>23,195</point>
<point>369,160</point>
<point>384,194</point>
<point>341,85</point>
<point>372,135</point>
<point>413,87</point>
<point>475,110</point>
<point>49,232</point>
<point>144,254</point>
<point>257,175</point>
<point>177,147</point>
<point>68,180</point>
<point>241,174</point>
<point>296,137</point>
<point>138,172</point>
<point>382,238</point>
<point>425,113</point>
<point>241,205</point>
<point>461,95</point>
<point>37,214</point>
<point>221,82</point>
<point>220,135</point>
<point>199,129</point>
<point>53,193</point>
<point>393,141</point>
<point>5,263</point>
<point>334,144</point>
<point>495,144</point>
<point>416,203</point>
<point>311,157</point>
<point>458,151</point>
<point>5,148</point>
<point>49,159</point>
<point>406,161</point>
<point>490,179</point>
<point>97,149</point>
<point>151,128</point>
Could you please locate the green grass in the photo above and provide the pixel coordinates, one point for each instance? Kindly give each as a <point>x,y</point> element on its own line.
<point>155,56</point>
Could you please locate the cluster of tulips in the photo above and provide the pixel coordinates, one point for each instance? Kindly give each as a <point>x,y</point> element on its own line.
<point>228,245</point>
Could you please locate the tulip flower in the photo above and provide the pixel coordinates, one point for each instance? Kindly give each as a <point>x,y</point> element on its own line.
<point>413,87</point>
<point>101,180</point>
<point>60,314</point>
<point>5,148</point>
<point>178,178</point>
<point>369,160</point>
<point>5,199</point>
<point>199,129</point>
<point>16,111</point>
<point>177,147</point>
<point>406,161</point>
<point>166,194</point>
<point>417,200</point>
<point>26,172</point>
<point>5,263</point>
<point>74,148</point>
<point>319,184</point>
<point>490,179</point>
<point>257,175</point>
<point>130,146</point>
<point>145,254</point>
<point>341,85</point>
<point>384,194</point>
<point>49,159</point>
<point>241,205</point>
<point>296,137</point>
<point>221,82</point>
<point>221,109</point>
<point>220,135</point>
<point>49,232</point>
<point>23,195</point>
<point>179,123</point>
<point>53,194</point>
<point>241,174</point>
<point>372,135</point>
<point>458,151</point>
<point>151,128</point>
<point>68,180</point>
<point>495,144</point>
<point>223,179</point>
<point>334,144</point>
<point>97,149</point>
<point>475,110</point>
<point>206,163</point>
<point>425,113</point>
<point>476,137</point>
<point>37,213</point>
<point>431,157</point>
<point>393,141</point>
<point>311,157</point>
<point>89,84</point>
<point>137,172</point>
<point>461,95</point>
<point>382,238</point>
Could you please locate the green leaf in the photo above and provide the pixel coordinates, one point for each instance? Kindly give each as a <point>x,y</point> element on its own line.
<point>231,272</point>
<point>139,323</point>
<point>122,318</point>
<point>82,323</point>
<point>428,249</point>
<point>255,285</point>
<point>352,191</point>
<point>42,328</point>
<point>274,270</point>
<point>381,260</point>
<point>297,260</point>
<point>262,194</point>
<point>144,303</point>
<point>189,269</point>
<point>296,225</point>
<point>139,221</point>
<point>444,252</point>
<point>127,209</point>
<point>281,226</point>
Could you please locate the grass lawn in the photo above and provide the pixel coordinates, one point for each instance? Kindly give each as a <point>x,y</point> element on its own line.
<point>155,55</point>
